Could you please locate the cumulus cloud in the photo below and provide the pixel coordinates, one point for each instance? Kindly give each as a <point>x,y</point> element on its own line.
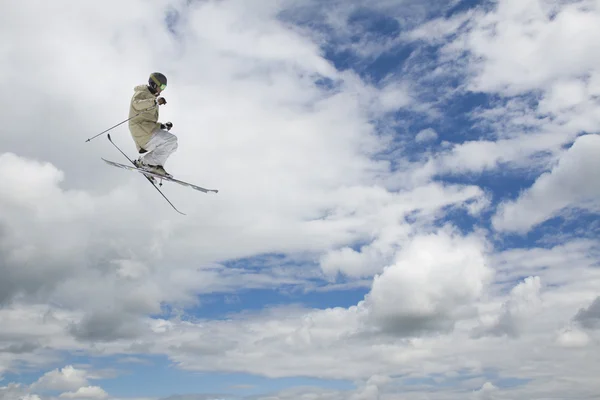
<point>433,280</point>
<point>523,45</point>
<point>386,227</point>
<point>589,317</point>
<point>70,382</point>
<point>88,252</point>
<point>523,302</point>
<point>31,194</point>
<point>88,392</point>
<point>107,326</point>
<point>434,283</point>
<point>64,379</point>
<point>487,392</point>
<point>572,338</point>
<point>15,391</point>
<point>571,183</point>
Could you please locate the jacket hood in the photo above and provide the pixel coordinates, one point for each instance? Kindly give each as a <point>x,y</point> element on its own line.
<point>144,88</point>
<point>140,88</point>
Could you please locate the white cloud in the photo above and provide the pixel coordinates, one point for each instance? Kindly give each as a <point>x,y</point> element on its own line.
<point>426,135</point>
<point>564,95</point>
<point>522,53</point>
<point>589,317</point>
<point>352,262</point>
<point>520,48</point>
<point>438,30</point>
<point>571,183</point>
<point>89,251</point>
<point>573,338</point>
<point>517,311</point>
<point>433,280</point>
<point>568,264</point>
<point>263,343</point>
<point>88,392</point>
<point>64,379</point>
<point>393,97</point>
<point>14,391</point>
<point>487,392</point>
<point>384,229</point>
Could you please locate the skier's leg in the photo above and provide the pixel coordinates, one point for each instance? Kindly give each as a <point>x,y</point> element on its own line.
<point>159,147</point>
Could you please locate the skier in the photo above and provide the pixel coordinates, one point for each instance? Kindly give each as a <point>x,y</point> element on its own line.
<point>152,138</point>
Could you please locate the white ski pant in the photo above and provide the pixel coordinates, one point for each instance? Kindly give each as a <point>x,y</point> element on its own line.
<point>160,146</point>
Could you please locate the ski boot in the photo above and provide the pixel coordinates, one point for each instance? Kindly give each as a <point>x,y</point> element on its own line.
<point>158,169</point>
<point>139,164</point>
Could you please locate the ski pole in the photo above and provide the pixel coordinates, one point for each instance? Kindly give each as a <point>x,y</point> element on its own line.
<point>93,137</point>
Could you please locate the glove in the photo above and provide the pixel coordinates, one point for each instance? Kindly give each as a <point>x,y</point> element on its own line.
<point>166,126</point>
<point>161,101</point>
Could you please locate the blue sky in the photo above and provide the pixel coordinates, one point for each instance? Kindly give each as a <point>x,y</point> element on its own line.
<point>408,202</point>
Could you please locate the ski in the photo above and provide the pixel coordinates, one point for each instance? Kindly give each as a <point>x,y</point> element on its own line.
<point>160,177</point>
<point>147,177</point>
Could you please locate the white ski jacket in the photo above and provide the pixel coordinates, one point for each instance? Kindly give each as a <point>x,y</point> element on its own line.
<point>142,126</point>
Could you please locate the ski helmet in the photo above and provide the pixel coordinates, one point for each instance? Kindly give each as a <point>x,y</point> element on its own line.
<point>157,80</point>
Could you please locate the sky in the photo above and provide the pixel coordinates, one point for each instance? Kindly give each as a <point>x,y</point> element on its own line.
<point>408,202</point>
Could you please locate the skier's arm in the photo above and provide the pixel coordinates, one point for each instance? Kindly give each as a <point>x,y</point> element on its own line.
<point>143,104</point>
